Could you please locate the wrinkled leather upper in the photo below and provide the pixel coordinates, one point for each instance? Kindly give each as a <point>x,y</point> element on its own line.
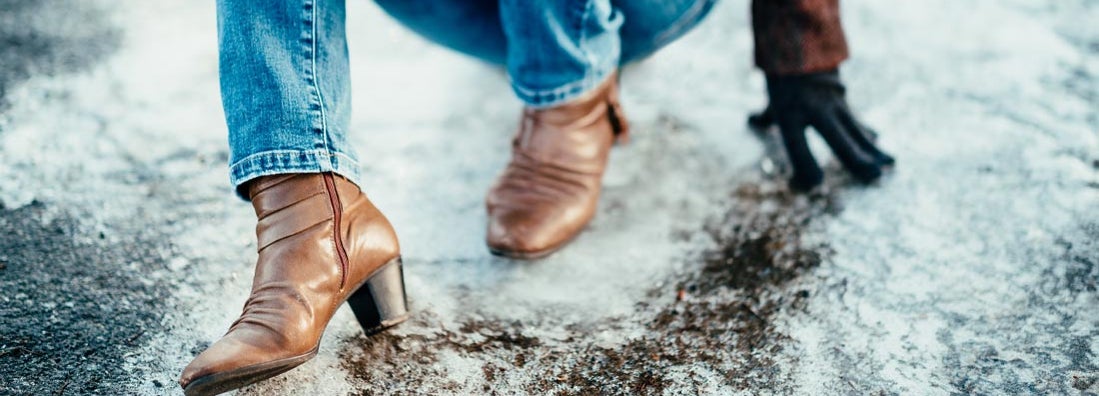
<point>550,189</point>
<point>299,280</point>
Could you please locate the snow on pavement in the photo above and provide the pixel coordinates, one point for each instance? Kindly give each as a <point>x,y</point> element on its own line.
<point>971,269</point>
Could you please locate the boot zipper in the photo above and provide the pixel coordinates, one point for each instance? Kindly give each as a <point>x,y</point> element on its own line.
<point>337,217</point>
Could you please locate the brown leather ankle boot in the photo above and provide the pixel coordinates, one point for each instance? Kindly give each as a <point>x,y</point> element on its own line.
<point>321,242</point>
<point>549,191</point>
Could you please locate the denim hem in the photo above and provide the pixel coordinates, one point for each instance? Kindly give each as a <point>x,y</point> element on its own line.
<point>277,162</point>
<point>555,96</point>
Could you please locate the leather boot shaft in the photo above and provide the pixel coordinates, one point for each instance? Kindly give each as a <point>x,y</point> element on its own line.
<point>319,241</point>
<point>550,189</point>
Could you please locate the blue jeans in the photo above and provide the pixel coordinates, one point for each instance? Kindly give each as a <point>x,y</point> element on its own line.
<point>285,81</point>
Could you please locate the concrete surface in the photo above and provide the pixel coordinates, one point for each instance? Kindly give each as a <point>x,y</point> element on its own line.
<point>970,270</point>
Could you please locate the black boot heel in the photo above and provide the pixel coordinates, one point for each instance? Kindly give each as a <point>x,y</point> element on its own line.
<point>380,303</point>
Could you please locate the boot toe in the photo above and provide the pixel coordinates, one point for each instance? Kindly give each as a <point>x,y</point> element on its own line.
<point>233,361</point>
<point>224,356</point>
<point>525,234</point>
<point>514,231</point>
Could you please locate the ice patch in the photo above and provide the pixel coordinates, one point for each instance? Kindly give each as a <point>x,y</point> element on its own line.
<point>971,269</point>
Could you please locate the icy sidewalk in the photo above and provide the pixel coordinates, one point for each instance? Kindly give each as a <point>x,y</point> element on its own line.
<point>972,269</point>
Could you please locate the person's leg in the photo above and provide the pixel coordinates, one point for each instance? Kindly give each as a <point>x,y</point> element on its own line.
<point>321,242</point>
<point>558,50</point>
<point>561,56</point>
<point>285,88</point>
<point>471,27</point>
<point>554,50</point>
<point>562,59</point>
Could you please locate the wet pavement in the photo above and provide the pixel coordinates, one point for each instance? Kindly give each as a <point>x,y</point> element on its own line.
<point>969,270</point>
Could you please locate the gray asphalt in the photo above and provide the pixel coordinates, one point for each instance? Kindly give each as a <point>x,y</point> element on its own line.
<point>70,308</point>
<point>970,270</point>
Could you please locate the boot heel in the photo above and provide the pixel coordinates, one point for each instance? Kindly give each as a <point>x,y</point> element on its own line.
<point>380,303</point>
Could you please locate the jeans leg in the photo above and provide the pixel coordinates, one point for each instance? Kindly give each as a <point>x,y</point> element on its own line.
<point>557,50</point>
<point>471,27</point>
<point>652,24</point>
<point>285,87</point>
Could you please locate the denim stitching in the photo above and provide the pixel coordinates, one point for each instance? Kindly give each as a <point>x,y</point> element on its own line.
<point>583,39</point>
<point>548,98</point>
<point>315,80</point>
<point>292,161</point>
<point>593,75</point>
<point>553,91</point>
<point>268,153</point>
